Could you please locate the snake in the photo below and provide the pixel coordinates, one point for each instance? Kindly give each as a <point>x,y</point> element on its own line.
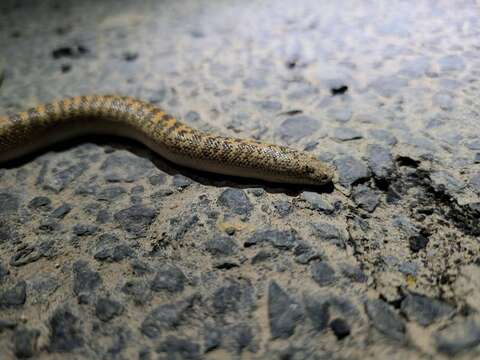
<point>25,132</point>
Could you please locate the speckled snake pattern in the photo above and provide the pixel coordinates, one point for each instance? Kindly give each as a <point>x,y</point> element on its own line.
<point>28,131</point>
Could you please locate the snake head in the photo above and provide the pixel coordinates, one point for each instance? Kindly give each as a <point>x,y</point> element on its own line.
<point>318,173</point>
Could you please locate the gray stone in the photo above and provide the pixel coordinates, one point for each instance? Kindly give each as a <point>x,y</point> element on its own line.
<point>40,203</point>
<point>341,115</point>
<point>181,182</point>
<point>164,317</point>
<point>85,280</point>
<point>25,342</point>
<point>84,229</point>
<point>318,312</point>
<point>278,238</point>
<point>317,202</point>
<point>322,273</point>
<point>221,245</point>
<point>66,332</point>
<point>9,202</point>
<point>346,134</point>
<point>106,309</point>
<point>365,197</point>
<point>14,296</point>
<point>269,105</point>
<point>4,272</point>
<point>111,193</point>
<point>295,128</point>
<point>61,211</point>
<point>476,160</point>
<point>329,232</point>
<point>114,253</point>
<point>157,179</point>
<point>443,100</point>
<point>304,253</point>
<point>233,298</point>
<point>124,166</point>
<point>442,181</point>
<point>138,291</point>
<point>472,145</point>
<point>385,320</point>
<point>424,310</point>
<point>380,161</point>
<point>383,136</point>
<point>451,63</point>
<point>475,182</point>
<point>213,338</point>
<point>136,219</point>
<point>284,313</point>
<point>58,180</point>
<point>350,170</point>
<point>236,201</point>
<point>169,278</point>
<point>176,348</point>
<point>283,208</point>
<point>388,86</point>
<point>459,336</point>
<point>254,83</point>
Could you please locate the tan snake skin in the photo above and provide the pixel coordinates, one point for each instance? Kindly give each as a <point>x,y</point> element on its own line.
<point>22,133</point>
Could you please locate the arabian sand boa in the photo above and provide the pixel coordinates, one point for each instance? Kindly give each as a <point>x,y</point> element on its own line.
<point>22,133</point>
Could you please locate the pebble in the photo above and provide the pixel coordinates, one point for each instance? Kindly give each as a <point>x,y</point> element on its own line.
<point>25,342</point>
<point>58,180</point>
<point>295,128</point>
<point>341,115</point>
<point>66,332</point>
<point>424,310</point>
<point>284,313</point>
<point>385,320</point>
<point>474,182</point>
<point>221,246</point>
<point>106,309</point>
<point>346,134</point>
<point>351,170</point>
<point>136,219</point>
<point>181,182</point>
<point>461,335</point>
<point>14,296</point>
<point>40,203</point>
<point>283,208</point>
<point>317,309</point>
<point>9,203</point>
<point>123,166</point>
<point>443,181</point>
<point>317,202</point>
<point>472,145</point>
<point>61,211</point>
<point>169,278</point>
<point>322,273</point>
<point>111,193</point>
<point>281,239</point>
<point>380,161</point>
<point>366,198</point>
<point>85,280</point>
<point>164,317</point>
<point>329,232</point>
<point>176,348</point>
<point>213,338</point>
<point>234,297</point>
<point>236,201</point>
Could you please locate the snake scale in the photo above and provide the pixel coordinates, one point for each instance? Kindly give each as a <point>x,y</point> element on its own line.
<point>28,131</point>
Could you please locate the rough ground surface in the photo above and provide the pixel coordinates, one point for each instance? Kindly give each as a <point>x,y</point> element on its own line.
<point>108,252</point>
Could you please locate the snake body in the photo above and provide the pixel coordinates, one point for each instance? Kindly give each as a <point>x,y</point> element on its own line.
<point>25,132</point>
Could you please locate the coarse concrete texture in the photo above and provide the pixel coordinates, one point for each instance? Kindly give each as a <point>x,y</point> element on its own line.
<point>109,252</point>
